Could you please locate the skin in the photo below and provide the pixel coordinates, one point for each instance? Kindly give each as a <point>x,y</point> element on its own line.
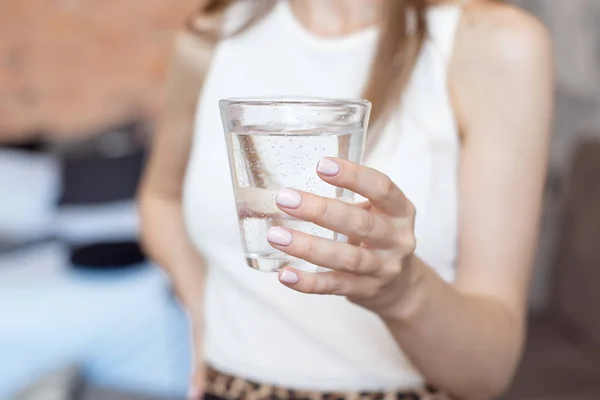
<point>501,86</point>
<point>337,17</point>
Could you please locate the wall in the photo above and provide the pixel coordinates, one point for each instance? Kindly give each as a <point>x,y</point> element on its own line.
<point>68,66</point>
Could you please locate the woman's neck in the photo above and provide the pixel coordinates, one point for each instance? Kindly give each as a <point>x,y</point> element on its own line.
<point>337,17</point>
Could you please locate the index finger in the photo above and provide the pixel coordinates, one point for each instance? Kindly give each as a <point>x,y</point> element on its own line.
<point>381,191</point>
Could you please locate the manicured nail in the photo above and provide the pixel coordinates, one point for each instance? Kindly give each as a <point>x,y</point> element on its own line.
<point>194,393</point>
<point>288,198</point>
<point>289,277</point>
<point>279,236</point>
<point>328,167</point>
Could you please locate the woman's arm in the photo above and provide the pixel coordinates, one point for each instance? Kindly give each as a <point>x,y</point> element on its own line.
<point>464,337</point>
<point>163,231</point>
<point>467,338</point>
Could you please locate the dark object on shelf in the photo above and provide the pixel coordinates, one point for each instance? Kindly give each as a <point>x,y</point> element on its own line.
<point>107,256</point>
<point>105,168</point>
<point>32,145</point>
<point>101,180</point>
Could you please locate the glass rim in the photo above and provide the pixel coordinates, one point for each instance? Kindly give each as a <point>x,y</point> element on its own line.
<point>293,101</point>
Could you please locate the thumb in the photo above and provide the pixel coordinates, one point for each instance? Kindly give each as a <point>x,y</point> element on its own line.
<point>198,378</point>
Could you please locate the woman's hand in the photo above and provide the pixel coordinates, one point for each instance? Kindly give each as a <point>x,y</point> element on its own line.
<point>374,269</point>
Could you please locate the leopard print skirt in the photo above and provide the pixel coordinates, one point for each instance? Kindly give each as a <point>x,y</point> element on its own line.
<point>229,387</point>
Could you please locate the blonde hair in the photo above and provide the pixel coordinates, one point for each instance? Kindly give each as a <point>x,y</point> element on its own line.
<point>398,48</point>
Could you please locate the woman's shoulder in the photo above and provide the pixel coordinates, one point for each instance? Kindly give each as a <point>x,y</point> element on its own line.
<point>502,60</point>
<point>502,33</point>
<point>497,41</point>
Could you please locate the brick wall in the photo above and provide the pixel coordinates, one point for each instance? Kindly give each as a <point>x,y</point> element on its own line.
<point>68,66</point>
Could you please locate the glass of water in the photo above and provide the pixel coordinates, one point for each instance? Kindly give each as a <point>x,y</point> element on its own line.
<point>277,143</point>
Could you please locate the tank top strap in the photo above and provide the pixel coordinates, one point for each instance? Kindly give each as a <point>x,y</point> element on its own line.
<point>443,23</point>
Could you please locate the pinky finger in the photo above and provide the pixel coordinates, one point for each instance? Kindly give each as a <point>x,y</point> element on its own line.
<point>335,283</point>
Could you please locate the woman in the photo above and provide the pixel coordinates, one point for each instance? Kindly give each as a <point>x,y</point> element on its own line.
<point>432,288</point>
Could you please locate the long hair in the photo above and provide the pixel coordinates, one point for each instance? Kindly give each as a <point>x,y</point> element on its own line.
<point>403,32</point>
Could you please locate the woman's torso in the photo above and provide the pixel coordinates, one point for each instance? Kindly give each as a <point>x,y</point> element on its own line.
<point>257,328</point>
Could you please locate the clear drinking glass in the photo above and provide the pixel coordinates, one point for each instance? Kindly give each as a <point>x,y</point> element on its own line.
<point>277,143</point>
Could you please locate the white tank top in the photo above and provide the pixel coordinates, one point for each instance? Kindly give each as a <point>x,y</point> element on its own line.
<point>255,327</point>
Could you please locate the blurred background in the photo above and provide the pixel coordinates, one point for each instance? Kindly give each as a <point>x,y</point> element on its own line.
<point>84,316</point>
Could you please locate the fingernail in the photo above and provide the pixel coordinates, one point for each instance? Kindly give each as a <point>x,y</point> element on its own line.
<point>279,236</point>
<point>194,393</point>
<point>289,277</point>
<point>288,198</point>
<point>328,167</point>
